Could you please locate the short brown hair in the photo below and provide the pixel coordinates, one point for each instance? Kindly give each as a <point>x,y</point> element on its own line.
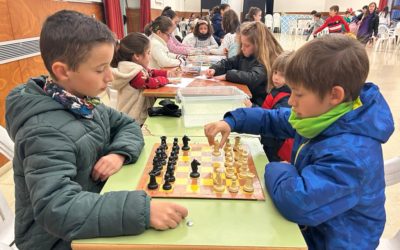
<point>230,21</point>
<point>279,65</point>
<point>68,36</point>
<point>196,31</point>
<point>317,15</point>
<point>252,12</point>
<point>334,8</point>
<point>329,61</point>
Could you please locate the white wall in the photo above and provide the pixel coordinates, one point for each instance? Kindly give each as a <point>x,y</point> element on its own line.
<point>299,5</point>
<point>345,4</point>
<point>133,4</point>
<point>237,6</point>
<point>191,5</point>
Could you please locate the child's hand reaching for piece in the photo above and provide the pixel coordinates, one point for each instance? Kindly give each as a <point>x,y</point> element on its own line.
<point>210,73</point>
<point>212,129</point>
<point>107,166</point>
<point>166,215</point>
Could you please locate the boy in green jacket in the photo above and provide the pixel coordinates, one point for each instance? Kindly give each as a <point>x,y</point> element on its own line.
<point>67,144</point>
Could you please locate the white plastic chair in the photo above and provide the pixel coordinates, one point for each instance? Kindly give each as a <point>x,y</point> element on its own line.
<point>6,144</point>
<point>302,26</point>
<point>269,21</point>
<point>383,37</point>
<point>6,224</point>
<point>392,176</point>
<point>277,22</point>
<point>292,27</point>
<point>113,96</point>
<point>323,32</point>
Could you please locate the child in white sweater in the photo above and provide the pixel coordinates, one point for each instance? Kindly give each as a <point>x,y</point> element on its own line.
<point>202,36</point>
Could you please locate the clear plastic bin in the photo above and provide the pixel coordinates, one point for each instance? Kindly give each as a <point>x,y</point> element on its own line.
<point>202,105</point>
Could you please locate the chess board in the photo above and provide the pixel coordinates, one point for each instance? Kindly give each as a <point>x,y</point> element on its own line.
<point>202,187</point>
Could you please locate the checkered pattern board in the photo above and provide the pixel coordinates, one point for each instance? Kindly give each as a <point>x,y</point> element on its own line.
<point>202,187</point>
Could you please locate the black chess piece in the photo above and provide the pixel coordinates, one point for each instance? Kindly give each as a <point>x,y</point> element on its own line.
<point>175,141</point>
<point>185,140</point>
<point>171,160</point>
<point>164,142</point>
<point>170,171</point>
<point>167,185</point>
<point>153,182</point>
<point>195,167</point>
<point>175,149</point>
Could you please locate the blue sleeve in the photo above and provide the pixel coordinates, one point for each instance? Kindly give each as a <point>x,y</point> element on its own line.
<point>271,123</point>
<point>324,189</point>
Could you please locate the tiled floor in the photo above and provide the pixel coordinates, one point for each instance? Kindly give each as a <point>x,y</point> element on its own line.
<point>384,72</point>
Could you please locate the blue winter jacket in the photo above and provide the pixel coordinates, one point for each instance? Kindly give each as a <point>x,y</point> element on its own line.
<point>335,184</point>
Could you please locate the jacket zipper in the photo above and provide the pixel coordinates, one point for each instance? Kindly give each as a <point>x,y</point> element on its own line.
<point>298,151</point>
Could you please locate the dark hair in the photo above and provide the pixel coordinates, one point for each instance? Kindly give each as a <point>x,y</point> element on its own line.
<point>162,23</point>
<point>313,12</point>
<point>196,31</point>
<point>317,15</point>
<point>168,12</point>
<point>134,43</point>
<point>68,36</point>
<point>365,7</point>
<point>252,12</point>
<point>334,8</point>
<point>336,60</point>
<point>347,12</point>
<point>218,8</point>
<point>230,21</point>
<point>386,10</point>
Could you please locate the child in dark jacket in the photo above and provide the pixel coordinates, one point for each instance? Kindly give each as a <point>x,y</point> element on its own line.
<point>67,144</point>
<point>334,185</point>
<point>252,65</point>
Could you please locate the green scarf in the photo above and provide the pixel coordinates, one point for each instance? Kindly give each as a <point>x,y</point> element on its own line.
<point>313,126</point>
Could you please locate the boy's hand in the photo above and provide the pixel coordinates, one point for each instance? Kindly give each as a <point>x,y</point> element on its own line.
<point>212,129</point>
<point>166,215</point>
<point>221,77</point>
<point>107,166</point>
<point>210,73</point>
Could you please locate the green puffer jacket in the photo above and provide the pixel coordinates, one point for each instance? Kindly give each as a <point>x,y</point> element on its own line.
<point>56,200</point>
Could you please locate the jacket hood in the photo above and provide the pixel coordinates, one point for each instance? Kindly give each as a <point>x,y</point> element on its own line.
<point>124,73</point>
<point>26,101</point>
<point>373,119</point>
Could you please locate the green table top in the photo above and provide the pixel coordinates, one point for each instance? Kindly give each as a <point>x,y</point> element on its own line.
<point>216,223</point>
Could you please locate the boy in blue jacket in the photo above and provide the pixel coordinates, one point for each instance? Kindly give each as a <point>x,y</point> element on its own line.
<point>334,185</point>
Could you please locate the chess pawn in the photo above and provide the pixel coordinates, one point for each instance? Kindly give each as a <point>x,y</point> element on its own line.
<point>230,171</point>
<point>218,181</point>
<point>248,186</point>
<point>244,171</point>
<point>216,151</point>
<point>228,163</point>
<point>228,143</point>
<point>238,153</point>
<point>237,143</point>
<point>229,159</point>
<point>234,187</point>
<point>228,153</point>
<point>167,185</point>
<point>245,157</point>
<point>153,182</point>
<point>237,165</point>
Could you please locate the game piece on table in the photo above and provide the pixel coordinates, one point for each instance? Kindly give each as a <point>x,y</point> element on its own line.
<point>171,174</point>
<point>243,171</point>
<point>175,141</point>
<point>216,165</point>
<point>167,185</point>
<point>164,142</point>
<point>248,186</point>
<point>234,187</point>
<point>237,165</point>
<point>195,168</point>
<point>185,140</point>
<point>218,181</point>
<point>245,157</point>
<point>229,171</point>
<point>175,149</point>
<point>238,154</point>
<point>171,160</point>
<point>228,163</point>
<point>153,182</point>
<point>216,151</point>
<point>228,143</point>
<point>237,143</point>
<point>229,159</point>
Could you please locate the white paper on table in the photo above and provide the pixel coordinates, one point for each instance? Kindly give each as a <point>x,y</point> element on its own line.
<point>204,68</point>
<point>184,82</point>
<point>203,77</point>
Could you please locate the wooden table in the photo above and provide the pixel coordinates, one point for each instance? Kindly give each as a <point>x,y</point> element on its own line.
<point>217,224</point>
<point>170,92</point>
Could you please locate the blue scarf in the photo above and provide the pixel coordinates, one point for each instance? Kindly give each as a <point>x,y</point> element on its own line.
<point>79,106</point>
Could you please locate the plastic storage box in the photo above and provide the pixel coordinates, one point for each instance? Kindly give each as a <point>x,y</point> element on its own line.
<point>202,105</point>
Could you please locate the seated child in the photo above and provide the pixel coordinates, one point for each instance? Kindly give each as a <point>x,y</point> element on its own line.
<point>202,36</point>
<point>159,32</point>
<point>67,144</point>
<point>251,66</point>
<point>132,75</point>
<point>334,22</point>
<point>334,186</point>
<point>230,24</point>
<point>278,96</point>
